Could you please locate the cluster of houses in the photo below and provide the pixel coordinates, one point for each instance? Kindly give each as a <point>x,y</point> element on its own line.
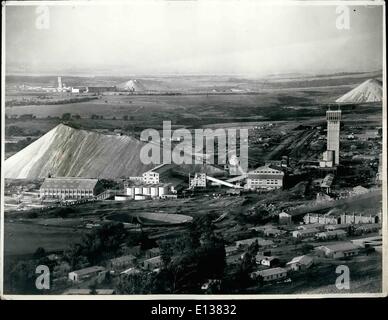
<point>124,265</point>
<point>274,268</point>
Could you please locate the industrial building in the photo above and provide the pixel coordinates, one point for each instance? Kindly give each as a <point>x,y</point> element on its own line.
<point>198,181</point>
<point>151,191</point>
<point>156,175</point>
<point>265,177</point>
<point>70,188</point>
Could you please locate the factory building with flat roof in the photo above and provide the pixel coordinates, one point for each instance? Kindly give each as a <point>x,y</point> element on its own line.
<point>70,188</point>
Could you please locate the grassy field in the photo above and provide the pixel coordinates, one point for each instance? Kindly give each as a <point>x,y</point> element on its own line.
<point>21,238</point>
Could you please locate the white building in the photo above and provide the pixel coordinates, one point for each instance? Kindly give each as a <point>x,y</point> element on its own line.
<point>86,273</point>
<point>199,180</point>
<point>300,263</point>
<point>285,218</point>
<point>266,178</point>
<point>156,175</point>
<point>70,188</point>
<point>339,250</point>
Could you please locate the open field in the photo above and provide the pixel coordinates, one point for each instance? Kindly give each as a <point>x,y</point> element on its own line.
<point>21,238</point>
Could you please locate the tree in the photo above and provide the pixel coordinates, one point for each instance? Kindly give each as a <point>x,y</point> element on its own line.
<point>93,287</point>
<point>66,116</point>
<point>40,253</point>
<point>166,252</point>
<point>22,277</point>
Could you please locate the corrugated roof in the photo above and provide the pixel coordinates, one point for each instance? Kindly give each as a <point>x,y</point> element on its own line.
<point>271,271</point>
<point>162,168</point>
<point>343,246</point>
<point>69,183</point>
<point>88,270</point>
<point>301,259</point>
<point>265,176</point>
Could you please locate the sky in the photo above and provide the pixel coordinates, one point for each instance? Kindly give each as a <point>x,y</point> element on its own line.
<point>191,37</point>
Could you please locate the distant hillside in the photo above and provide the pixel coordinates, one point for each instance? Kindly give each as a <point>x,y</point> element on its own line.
<point>369,91</point>
<point>64,151</point>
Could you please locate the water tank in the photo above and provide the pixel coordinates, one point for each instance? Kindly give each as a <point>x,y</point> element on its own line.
<point>138,190</point>
<point>140,197</point>
<point>163,190</point>
<point>131,191</point>
<point>147,190</point>
<point>154,192</point>
<point>122,198</point>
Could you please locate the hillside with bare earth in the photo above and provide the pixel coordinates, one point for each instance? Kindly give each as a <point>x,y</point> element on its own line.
<point>69,152</point>
<point>369,91</point>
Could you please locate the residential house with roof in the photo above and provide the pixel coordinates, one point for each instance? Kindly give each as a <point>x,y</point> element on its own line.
<point>273,274</point>
<point>121,263</point>
<point>86,273</point>
<point>300,263</point>
<point>330,235</point>
<point>338,250</point>
<point>303,234</point>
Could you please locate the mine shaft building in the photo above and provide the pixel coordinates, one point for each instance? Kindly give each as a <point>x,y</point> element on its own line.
<point>333,132</point>
<point>70,188</point>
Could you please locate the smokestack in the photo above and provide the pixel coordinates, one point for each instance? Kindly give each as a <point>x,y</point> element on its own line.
<point>60,82</point>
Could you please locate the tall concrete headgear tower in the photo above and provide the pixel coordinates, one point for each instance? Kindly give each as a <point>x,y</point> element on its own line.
<point>333,132</point>
<point>59,82</point>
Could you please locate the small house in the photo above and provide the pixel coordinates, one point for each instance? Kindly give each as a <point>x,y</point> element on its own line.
<point>86,273</point>
<point>153,263</point>
<point>338,250</point>
<point>272,274</point>
<point>300,263</point>
<point>303,234</point>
